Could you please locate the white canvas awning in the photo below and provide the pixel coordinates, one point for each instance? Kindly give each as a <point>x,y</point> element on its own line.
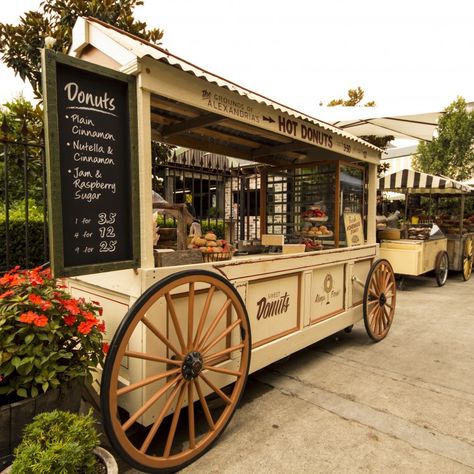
<point>379,121</point>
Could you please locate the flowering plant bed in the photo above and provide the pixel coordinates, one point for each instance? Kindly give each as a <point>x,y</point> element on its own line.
<point>47,337</point>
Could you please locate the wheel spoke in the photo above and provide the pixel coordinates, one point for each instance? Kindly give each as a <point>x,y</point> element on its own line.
<point>222,335</point>
<point>174,422</point>
<point>156,424</point>
<point>148,404</point>
<point>143,355</point>
<point>374,293</point>
<point>216,389</point>
<point>204,313</point>
<point>174,318</point>
<point>147,381</point>
<point>214,324</point>
<point>214,357</point>
<point>236,373</point>
<point>160,336</point>
<point>190,315</point>
<point>207,413</point>
<point>192,432</point>
<point>389,315</point>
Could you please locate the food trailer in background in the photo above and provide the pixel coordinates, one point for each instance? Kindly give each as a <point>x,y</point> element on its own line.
<point>185,336</point>
<point>422,250</point>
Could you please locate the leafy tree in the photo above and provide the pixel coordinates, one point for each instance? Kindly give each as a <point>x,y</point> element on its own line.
<point>451,153</point>
<point>22,124</point>
<point>20,45</point>
<point>355,98</point>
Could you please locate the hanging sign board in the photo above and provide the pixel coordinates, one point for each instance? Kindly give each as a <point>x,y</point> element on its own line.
<point>353,228</point>
<point>91,149</point>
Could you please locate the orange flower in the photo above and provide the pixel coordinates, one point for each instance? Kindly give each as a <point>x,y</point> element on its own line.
<point>41,321</point>
<point>7,294</point>
<point>28,317</point>
<point>35,299</point>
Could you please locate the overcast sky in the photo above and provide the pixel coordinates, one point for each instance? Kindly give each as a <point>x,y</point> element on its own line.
<point>407,55</point>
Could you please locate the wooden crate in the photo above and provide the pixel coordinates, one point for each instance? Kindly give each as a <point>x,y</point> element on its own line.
<point>180,257</point>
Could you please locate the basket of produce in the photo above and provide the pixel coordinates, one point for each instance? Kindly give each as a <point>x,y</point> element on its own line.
<point>216,256</point>
<point>212,248</point>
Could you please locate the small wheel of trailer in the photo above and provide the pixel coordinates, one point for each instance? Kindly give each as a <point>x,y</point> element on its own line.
<point>467,259</point>
<point>441,267</point>
<point>379,299</point>
<point>198,341</point>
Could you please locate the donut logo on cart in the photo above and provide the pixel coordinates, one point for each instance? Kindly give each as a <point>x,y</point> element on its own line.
<point>328,286</point>
<point>273,304</point>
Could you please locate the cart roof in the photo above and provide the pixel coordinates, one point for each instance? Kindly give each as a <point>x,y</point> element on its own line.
<point>421,183</point>
<point>195,108</point>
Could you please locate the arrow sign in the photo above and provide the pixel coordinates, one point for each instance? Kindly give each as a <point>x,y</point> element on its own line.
<point>268,119</point>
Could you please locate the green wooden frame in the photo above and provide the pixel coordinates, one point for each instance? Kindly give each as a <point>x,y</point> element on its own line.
<point>49,61</point>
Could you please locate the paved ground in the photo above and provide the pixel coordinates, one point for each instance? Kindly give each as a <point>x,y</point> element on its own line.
<point>345,404</point>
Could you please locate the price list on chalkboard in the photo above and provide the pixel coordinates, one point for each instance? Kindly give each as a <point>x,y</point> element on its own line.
<point>95,170</point>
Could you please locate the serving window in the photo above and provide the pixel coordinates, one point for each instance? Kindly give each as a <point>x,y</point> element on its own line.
<point>313,202</point>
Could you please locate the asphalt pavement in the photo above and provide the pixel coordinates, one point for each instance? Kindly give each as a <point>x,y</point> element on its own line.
<point>347,405</point>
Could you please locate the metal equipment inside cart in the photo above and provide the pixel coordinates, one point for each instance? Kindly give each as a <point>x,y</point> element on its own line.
<point>451,250</point>
<point>186,336</point>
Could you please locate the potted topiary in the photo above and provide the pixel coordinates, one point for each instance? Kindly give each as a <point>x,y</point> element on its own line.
<point>59,442</point>
<point>49,344</point>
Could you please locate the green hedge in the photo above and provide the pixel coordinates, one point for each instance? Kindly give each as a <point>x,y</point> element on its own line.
<point>17,238</point>
<point>216,227</point>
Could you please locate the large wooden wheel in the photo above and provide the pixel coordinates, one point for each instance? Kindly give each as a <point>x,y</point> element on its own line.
<point>441,267</point>
<point>379,299</point>
<point>197,330</point>
<point>467,259</point>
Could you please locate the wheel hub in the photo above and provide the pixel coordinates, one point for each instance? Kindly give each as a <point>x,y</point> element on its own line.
<point>382,299</point>
<point>192,365</point>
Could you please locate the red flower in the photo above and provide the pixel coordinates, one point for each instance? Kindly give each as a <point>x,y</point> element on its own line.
<point>7,294</point>
<point>101,327</point>
<point>85,327</point>
<point>41,321</point>
<point>28,317</point>
<point>46,305</point>
<point>35,278</point>
<point>69,320</point>
<point>105,347</point>
<point>71,306</point>
<point>35,299</point>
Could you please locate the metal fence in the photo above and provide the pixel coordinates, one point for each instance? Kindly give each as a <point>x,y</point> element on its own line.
<point>23,223</point>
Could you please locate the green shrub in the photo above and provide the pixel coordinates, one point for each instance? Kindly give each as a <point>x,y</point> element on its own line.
<point>213,226</point>
<point>57,442</point>
<point>17,239</point>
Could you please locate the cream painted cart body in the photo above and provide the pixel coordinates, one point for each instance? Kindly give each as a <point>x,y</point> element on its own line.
<point>186,337</point>
<point>417,257</point>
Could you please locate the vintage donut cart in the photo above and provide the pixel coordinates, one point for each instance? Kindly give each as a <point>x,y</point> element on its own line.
<point>185,338</point>
<point>446,250</point>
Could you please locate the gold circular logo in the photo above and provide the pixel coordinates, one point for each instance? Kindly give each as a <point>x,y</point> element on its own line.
<point>328,283</point>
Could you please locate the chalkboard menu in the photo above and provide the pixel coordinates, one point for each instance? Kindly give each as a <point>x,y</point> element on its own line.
<point>91,150</point>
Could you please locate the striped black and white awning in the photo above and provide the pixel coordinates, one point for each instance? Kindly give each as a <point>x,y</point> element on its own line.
<point>417,182</point>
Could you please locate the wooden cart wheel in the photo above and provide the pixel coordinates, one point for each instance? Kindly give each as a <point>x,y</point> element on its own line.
<point>467,259</point>
<point>197,328</point>
<point>379,299</point>
<point>441,267</point>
